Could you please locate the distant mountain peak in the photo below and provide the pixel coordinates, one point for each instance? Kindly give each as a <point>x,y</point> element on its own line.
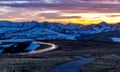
<point>104,23</point>
<point>47,30</point>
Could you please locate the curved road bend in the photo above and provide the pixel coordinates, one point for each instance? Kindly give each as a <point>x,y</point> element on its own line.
<point>73,66</point>
<point>52,47</point>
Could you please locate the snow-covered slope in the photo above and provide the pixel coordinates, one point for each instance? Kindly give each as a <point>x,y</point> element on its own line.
<point>45,30</point>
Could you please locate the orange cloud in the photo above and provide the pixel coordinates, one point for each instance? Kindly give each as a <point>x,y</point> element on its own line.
<point>86,18</point>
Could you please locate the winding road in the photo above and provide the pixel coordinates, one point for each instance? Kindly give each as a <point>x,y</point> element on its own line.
<point>73,66</point>
<point>51,45</point>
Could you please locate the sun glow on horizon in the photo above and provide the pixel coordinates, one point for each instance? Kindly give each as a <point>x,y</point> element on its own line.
<point>86,18</point>
<point>81,20</point>
<point>73,11</point>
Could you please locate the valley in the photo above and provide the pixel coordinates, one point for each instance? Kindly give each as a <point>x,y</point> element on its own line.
<point>74,42</point>
<point>66,52</point>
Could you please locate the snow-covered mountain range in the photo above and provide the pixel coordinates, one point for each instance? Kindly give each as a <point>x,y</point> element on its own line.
<point>45,30</point>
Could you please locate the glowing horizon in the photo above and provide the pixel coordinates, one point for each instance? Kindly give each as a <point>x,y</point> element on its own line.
<point>63,11</point>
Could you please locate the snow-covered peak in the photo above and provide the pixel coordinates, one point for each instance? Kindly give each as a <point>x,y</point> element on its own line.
<point>46,30</point>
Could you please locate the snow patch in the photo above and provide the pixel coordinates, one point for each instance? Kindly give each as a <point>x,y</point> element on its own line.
<point>1,51</point>
<point>32,47</point>
<point>6,45</point>
<point>115,39</point>
<point>16,40</point>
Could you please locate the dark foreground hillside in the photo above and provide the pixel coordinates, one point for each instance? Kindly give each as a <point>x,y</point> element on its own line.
<point>105,36</point>
<point>104,52</point>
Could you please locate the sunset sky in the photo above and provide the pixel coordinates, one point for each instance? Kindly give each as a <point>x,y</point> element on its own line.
<point>64,11</point>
